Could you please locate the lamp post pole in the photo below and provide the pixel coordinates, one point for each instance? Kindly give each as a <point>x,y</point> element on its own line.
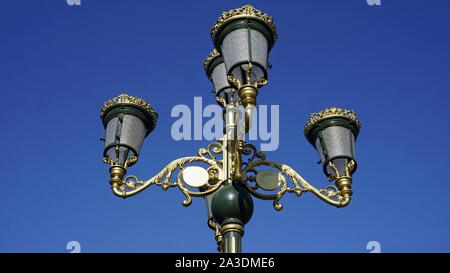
<point>230,172</point>
<point>232,206</point>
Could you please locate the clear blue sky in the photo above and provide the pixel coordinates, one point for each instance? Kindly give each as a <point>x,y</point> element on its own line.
<point>58,64</point>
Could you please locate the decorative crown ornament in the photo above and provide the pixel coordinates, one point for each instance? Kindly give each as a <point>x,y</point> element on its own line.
<point>127,99</point>
<point>247,11</point>
<point>328,113</point>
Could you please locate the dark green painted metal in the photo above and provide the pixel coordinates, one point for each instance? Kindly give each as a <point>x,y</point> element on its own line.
<point>323,145</point>
<point>232,204</point>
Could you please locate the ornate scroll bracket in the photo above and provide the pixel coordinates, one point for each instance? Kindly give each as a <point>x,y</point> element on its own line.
<point>292,182</point>
<point>131,185</point>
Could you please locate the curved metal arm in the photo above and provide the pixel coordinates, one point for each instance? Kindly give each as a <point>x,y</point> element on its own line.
<point>131,185</point>
<point>331,195</point>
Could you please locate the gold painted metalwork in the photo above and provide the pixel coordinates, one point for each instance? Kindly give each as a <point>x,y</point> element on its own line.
<point>213,149</point>
<point>117,173</point>
<point>245,172</point>
<point>343,181</point>
<point>221,101</point>
<point>337,196</point>
<point>247,11</point>
<point>232,227</point>
<point>128,162</point>
<point>247,91</point>
<point>127,99</point>
<point>131,185</point>
<point>217,235</point>
<point>214,175</point>
<point>332,112</point>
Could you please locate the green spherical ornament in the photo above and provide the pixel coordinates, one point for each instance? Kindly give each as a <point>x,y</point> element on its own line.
<point>231,203</point>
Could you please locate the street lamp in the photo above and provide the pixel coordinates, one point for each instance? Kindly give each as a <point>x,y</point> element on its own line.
<point>230,172</point>
<point>127,121</point>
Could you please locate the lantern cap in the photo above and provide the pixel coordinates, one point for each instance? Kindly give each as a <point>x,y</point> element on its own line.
<point>134,102</point>
<point>213,59</point>
<point>329,113</point>
<point>245,12</point>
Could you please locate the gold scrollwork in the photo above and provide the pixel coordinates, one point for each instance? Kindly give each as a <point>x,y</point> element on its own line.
<point>128,162</point>
<point>237,85</point>
<point>348,171</point>
<point>250,150</point>
<point>131,185</point>
<point>330,194</point>
<point>214,148</point>
<point>221,101</point>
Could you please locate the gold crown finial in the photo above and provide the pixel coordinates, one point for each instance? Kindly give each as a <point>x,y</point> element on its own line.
<point>127,99</point>
<point>331,112</point>
<point>247,11</point>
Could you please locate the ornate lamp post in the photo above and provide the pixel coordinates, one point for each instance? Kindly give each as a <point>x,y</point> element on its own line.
<point>234,171</point>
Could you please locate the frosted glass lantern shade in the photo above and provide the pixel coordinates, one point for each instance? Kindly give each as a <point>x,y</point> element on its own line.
<point>245,36</point>
<point>241,47</point>
<point>336,144</point>
<point>216,71</point>
<point>127,121</point>
<point>219,79</point>
<point>124,137</point>
<point>333,133</point>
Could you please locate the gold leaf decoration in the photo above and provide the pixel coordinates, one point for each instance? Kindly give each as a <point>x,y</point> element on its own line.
<point>247,11</point>
<point>332,112</point>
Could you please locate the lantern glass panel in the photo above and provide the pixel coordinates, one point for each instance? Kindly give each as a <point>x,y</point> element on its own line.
<point>219,78</point>
<point>127,133</point>
<point>337,142</point>
<point>243,46</point>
